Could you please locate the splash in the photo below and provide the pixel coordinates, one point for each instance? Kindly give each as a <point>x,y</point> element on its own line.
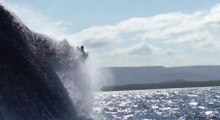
<point>82,79</point>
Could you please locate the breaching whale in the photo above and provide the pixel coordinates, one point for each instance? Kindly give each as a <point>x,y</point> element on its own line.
<point>30,88</point>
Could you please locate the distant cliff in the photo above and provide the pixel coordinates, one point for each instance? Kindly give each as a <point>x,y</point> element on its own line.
<point>164,85</point>
<point>158,74</point>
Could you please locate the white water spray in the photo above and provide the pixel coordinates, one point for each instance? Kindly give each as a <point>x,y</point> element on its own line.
<point>82,80</point>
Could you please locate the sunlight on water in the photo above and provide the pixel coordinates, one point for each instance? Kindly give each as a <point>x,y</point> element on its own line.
<point>166,104</point>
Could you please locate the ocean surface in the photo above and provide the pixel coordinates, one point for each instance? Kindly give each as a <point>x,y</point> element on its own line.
<point>160,104</point>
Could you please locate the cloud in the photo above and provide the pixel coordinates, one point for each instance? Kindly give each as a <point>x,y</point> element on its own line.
<point>138,49</point>
<point>2,1</point>
<point>38,22</point>
<point>196,30</point>
<point>96,36</point>
<point>197,40</point>
<point>174,27</point>
<point>167,34</point>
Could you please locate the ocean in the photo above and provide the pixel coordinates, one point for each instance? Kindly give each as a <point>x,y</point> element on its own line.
<point>159,104</point>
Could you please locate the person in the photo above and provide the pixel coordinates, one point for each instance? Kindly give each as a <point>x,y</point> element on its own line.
<point>84,54</point>
<point>82,49</point>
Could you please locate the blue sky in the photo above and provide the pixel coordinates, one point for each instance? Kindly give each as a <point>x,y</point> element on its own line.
<point>130,32</point>
<point>86,13</point>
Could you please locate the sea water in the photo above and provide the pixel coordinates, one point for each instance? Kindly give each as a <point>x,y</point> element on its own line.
<point>160,104</point>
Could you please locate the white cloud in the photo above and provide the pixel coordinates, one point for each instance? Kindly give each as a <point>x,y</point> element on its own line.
<point>177,27</point>
<point>2,1</point>
<point>96,36</point>
<point>161,35</point>
<point>196,39</point>
<point>138,49</point>
<point>160,27</point>
<point>213,17</point>
<point>38,22</point>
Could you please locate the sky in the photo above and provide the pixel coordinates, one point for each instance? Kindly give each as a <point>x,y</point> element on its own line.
<point>130,32</point>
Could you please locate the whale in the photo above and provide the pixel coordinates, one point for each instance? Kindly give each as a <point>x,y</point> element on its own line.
<point>30,88</point>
